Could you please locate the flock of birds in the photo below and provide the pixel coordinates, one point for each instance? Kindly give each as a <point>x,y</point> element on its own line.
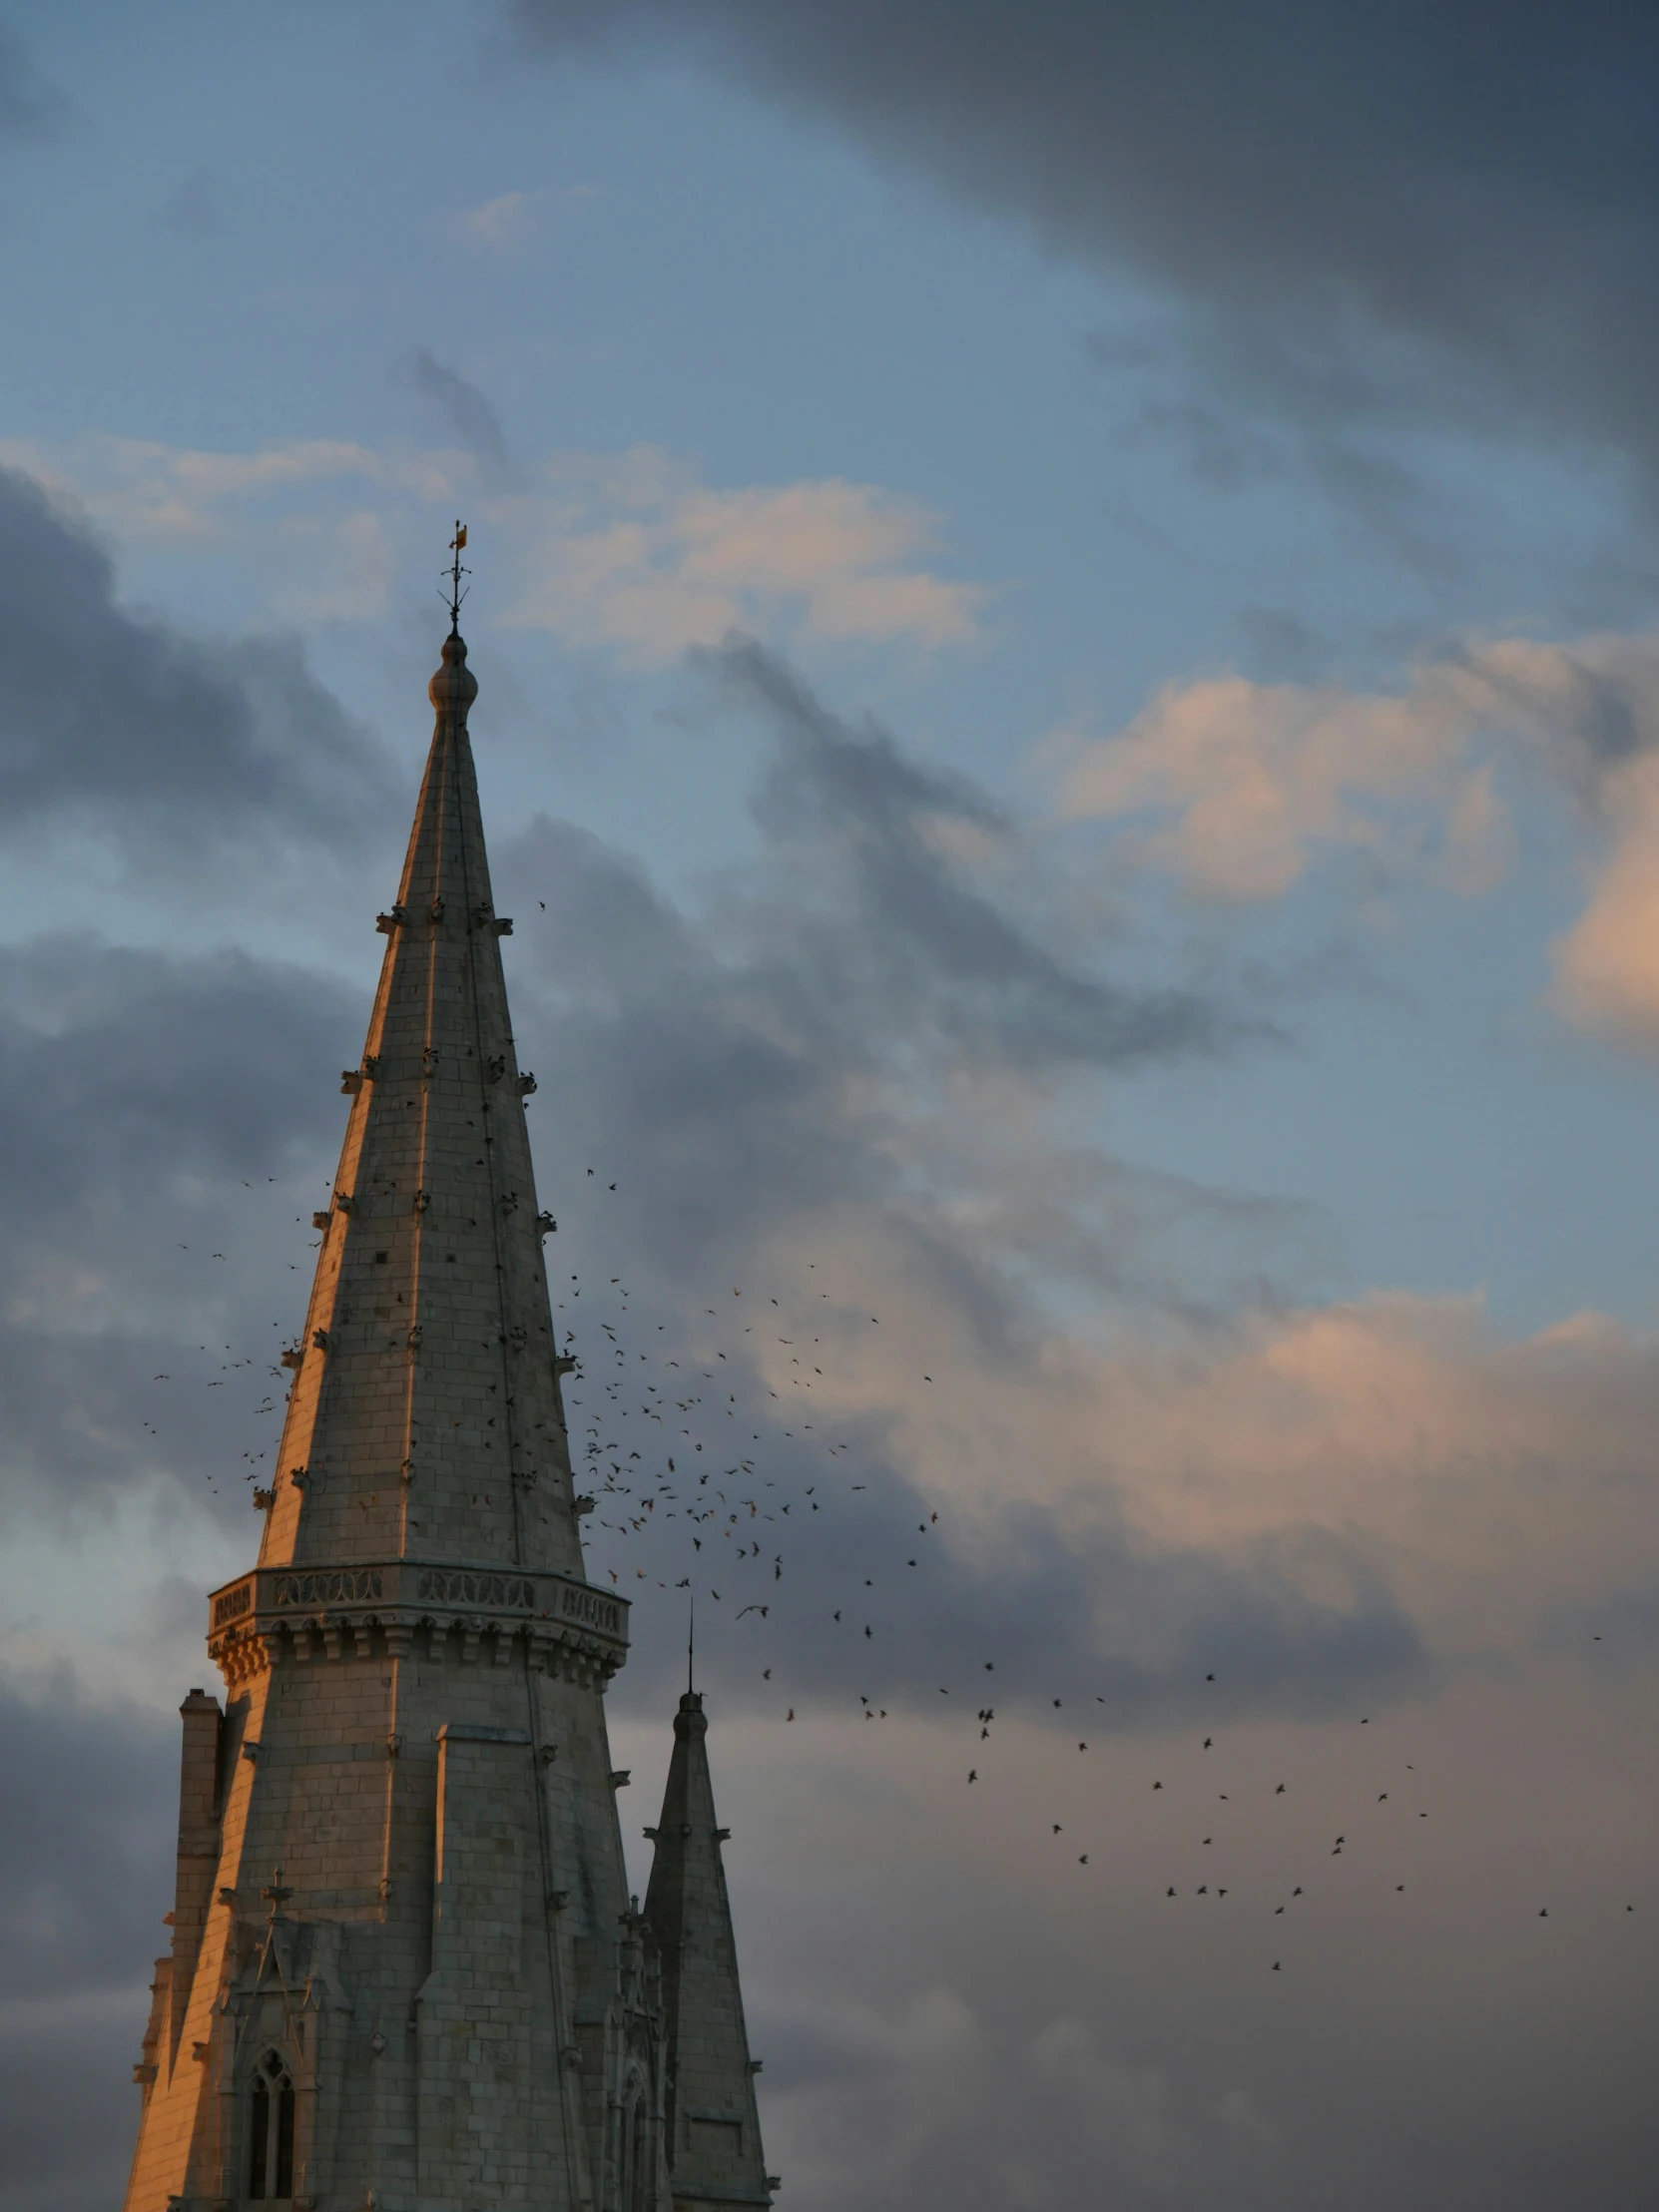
<point>680,1440</point>
<point>725,1497</point>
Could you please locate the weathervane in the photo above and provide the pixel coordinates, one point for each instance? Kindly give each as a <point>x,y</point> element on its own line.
<point>454,572</point>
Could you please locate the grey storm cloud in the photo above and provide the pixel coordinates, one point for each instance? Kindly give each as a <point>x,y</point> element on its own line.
<point>733,1058</point>
<point>740,1072</point>
<point>745,1068</point>
<point>143,1093</point>
<point>116,1061</point>
<point>728,1066</point>
<point>469,413</point>
<point>113,722</point>
<point>74,1862</point>
<point>922,934</point>
<point>147,1100</point>
<point>1470,183</point>
<point>87,1833</point>
<point>1126,1632</point>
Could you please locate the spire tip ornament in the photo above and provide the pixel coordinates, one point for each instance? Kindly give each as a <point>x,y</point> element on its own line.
<point>454,687</point>
<point>454,572</point>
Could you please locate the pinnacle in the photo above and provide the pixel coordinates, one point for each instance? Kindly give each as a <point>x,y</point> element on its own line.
<point>718,2153</point>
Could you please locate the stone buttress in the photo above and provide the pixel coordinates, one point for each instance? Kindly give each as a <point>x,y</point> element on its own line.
<point>405,1971</point>
<point>711,2125</point>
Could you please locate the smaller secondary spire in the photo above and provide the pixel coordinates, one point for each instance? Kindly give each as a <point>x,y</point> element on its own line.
<point>714,2128</point>
<point>454,572</point>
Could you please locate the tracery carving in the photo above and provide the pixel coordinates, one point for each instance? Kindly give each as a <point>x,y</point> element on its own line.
<point>455,1586</point>
<point>331,1586</point>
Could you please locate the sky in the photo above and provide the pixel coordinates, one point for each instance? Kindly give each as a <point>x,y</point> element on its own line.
<point>1064,604</point>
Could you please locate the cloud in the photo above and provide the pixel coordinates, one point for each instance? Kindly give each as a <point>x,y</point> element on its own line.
<point>1606,975</point>
<point>941,947</point>
<point>1241,789</point>
<point>872,1058</point>
<point>1448,218</point>
<point>1218,2079</point>
<point>343,571</point>
<point>924,2075</point>
<point>1282,643</point>
<point>1481,1478</point>
<point>29,105</point>
<point>638,555</point>
<point>196,207</point>
<point>866,1054</point>
<point>119,726</point>
<point>150,1100</point>
<point>85,1864</point>
<point>1244,788</point>
<point>630,552</point>
<point>868,1060</point>
<point>1237,787</point>
<point>869,1049</point>
<point>178,495</point>
<point>69,1929</point>
<point>889,952</point>
<point>1129,2106</point>
<point>469,413</point>
<point>504,225</point>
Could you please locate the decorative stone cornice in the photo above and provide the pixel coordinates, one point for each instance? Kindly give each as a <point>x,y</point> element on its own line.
<point>297,1614</point>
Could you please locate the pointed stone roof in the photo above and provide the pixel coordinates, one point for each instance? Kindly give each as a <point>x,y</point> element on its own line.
<point>424,1420</point>
<point>712,2127</point>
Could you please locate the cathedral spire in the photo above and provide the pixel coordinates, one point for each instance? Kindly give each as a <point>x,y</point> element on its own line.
<point>442,1997</point>
<point>424,1419</point>
<point>711,2121</point>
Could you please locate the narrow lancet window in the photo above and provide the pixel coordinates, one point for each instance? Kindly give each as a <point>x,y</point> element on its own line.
<point>271,2133</point>
<point>639,2185</point>
<point>284,2140</point>
<point>259,2126</point>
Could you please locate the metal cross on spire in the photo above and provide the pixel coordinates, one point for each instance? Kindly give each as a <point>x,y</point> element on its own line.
<point>278,1896</point>
<point>454,572</point>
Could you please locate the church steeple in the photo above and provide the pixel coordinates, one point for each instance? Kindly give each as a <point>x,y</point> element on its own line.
<point>450,2002</point>
<point>711,2122</point>
<point>424,1419</point>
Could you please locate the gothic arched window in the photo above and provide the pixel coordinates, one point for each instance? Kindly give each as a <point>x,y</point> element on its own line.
<point>627,2146</point>
<point>270,2132</point>
<point>633,2173</point>
<point>639,2156</point>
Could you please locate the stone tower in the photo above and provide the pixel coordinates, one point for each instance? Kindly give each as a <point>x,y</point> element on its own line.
<point>405,1971</point>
